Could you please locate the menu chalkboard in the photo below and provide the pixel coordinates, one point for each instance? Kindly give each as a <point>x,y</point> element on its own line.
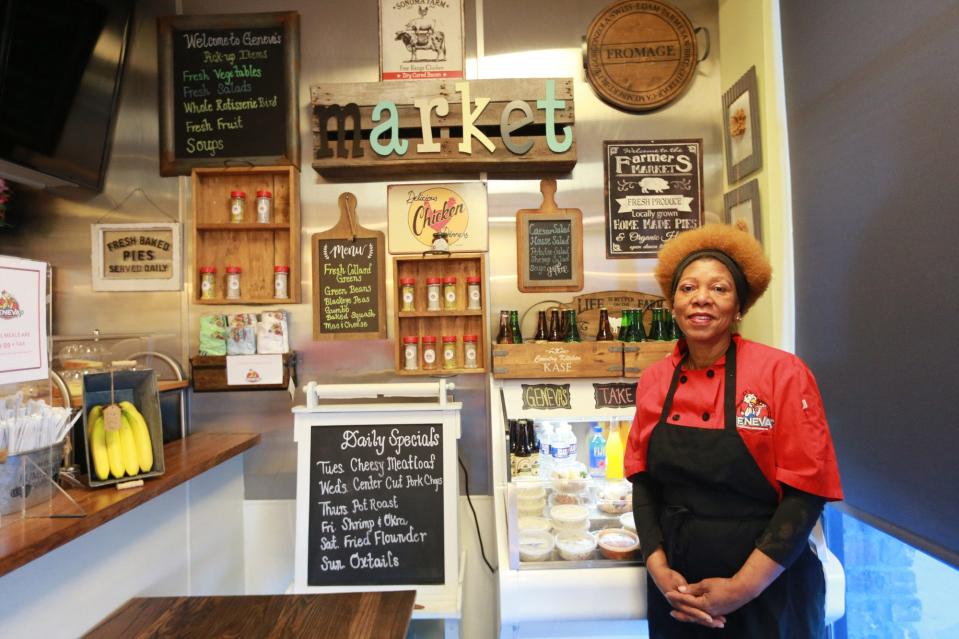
<point>654,191</point>
<point>376,505</point>
<point>549,245</point>
<point>228,90</point>
<point>349,282</point>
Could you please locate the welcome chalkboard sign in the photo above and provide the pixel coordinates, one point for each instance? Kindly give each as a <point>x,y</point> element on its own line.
<point>376,505</point>
<point>228,90</point>
<point>349,295</point>
<point>549,245</point>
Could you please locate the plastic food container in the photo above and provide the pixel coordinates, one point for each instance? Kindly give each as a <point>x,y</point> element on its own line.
<point>571,478</point>
<point>530,524</point>
<point>530,507</point>
<point>626,521</point>
<point>562,499</point>
<point>535,545</point>
<point>529,489</point>
<point>569,517</point>
<point>617,543</point>
<point>575,545</point>
<point>615,498</point>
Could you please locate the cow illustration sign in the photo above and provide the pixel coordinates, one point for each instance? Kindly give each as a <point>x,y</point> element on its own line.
<point>421,39</point>
<point>654,191</point>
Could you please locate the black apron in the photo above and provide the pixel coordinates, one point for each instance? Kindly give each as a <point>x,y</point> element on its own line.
<point>716,504</point>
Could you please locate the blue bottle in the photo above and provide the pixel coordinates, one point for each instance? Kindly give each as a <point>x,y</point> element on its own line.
<point>597,453</point>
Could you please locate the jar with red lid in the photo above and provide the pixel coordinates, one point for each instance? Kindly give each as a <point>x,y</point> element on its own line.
<point>408,294</point>
<point>237,206</point>
<point>411,352</point>
<point>264,206</point>
<point>233,282</point>
<point>473,301</point>
<point>429,352</point>
<point>449,293</point>
<point>469,351</point>
<point>449,351</point>
<point>207,282</point>
<point>433,293</point>
<point>281,282</point>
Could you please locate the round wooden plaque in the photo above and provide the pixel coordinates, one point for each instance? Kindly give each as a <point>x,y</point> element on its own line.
<point>640,54</point>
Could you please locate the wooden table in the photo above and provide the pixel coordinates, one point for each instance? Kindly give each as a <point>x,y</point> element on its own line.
<point>357,615</point>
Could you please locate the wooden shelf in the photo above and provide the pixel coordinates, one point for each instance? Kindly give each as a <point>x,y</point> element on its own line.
<point>255,248</point>
<point>459,322</point>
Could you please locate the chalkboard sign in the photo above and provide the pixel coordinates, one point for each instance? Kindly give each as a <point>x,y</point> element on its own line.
<point>546,396</point>
<point>228,90</point>
<point>349,298</point>
<point>376,505</point>
<point>654,191</point>
<point>549,246</point>
<point>615,395</point>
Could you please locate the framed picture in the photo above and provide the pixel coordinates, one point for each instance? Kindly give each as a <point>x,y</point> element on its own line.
<point>741,127</point>
<point>137,257</point>
<point>421,39</point>
<point>743,204</point>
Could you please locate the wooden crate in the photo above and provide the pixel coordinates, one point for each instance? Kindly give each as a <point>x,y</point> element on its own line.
<point>637,356</point>
<point>457,322</point>
<point>557,359</point>
<point>209,374</point>
<point>255,248</point>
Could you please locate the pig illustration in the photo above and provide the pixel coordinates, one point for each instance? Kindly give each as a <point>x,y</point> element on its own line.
<point>655,184</point>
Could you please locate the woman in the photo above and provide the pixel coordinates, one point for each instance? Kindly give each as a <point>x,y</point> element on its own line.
<point>730,458</point>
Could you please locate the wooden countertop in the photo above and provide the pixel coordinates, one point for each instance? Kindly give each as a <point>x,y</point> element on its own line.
<point>355,615</point>
<point>23,540</point>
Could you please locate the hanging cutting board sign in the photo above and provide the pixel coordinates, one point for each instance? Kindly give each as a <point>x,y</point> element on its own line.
<point>349,266</point>
<point>640,54</point>
<point>549,245</point>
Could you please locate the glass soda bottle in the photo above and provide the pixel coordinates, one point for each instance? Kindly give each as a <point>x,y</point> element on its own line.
<point>505,335</point>
<point>572,329</point>
<point>639,328</point>
<point>657,330</point>
<point>514,326</point>
<point>605,332</point>
<point>553,335</point>
<point>541,330</point>
<point>625,326</point>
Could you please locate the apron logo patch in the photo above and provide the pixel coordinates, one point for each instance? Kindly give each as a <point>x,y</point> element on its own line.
<point>753,413</point>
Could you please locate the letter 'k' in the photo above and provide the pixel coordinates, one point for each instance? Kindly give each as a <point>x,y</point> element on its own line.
<point>469,117</point>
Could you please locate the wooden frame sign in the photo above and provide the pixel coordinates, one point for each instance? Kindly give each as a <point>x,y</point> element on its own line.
<point>421,39</point>
<point>349,269</point>
<point>228,90</point>
<point>137,257</point>
<point>549,245</point>
<point>744,149</point>
<point>654,191</point>
<point>742,203</point>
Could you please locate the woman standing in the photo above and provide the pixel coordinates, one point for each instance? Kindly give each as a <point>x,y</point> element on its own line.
<point>730,458</point>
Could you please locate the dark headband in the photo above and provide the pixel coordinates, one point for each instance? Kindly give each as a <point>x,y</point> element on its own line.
<point>739,280</point>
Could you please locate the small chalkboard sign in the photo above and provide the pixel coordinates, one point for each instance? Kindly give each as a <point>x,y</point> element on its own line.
<point>376,505</point>
<point>615,395</point>
<point>349,266</point>
<point>228,90</point>
<point>549,245</point>
<point>546,397</point>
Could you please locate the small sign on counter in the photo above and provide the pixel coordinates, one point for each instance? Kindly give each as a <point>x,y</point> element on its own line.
<point>254,370</point>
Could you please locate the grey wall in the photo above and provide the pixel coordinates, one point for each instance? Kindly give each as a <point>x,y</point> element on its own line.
<point>339,43</point>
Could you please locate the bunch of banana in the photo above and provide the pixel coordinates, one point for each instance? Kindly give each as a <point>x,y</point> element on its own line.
<point>127,451</point>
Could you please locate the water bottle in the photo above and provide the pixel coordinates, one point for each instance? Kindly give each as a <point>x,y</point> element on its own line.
<point>562,446</point>
<point>544,434</point>
<point>597,453</point>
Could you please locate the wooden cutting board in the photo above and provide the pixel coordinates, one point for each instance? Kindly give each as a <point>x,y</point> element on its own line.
<point>549,245</point>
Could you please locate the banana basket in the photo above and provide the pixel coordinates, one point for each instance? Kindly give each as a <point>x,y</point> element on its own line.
<point>109,459</point>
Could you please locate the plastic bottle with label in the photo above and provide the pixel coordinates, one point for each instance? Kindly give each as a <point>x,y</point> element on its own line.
<point>544,434</point>
<point>614,453</point>
<point>597,453</point>
<point>562,446</point>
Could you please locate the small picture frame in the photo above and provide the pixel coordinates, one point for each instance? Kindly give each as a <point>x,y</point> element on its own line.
<point>421,40</point>
<point>742,203</point>
<point>741,132</point>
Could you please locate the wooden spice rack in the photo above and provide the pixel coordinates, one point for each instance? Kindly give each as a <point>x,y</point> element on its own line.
<point>255,248</point>
<point>458,322</point>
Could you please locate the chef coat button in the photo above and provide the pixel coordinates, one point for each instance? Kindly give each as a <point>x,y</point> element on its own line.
<point>682,379</point>
<point>705,417</point>
<point>710,373</point>
<point>676,417</point>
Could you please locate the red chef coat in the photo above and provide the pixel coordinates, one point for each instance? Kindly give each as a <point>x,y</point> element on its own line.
<point>779,414</point>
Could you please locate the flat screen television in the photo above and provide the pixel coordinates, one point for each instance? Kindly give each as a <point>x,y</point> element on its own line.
<point>61,62</point>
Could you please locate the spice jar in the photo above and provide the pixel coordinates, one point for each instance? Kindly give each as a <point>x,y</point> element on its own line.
<point>429,352</point>
<point>449,351</point>
<point>433,293</point>
<point>449,293</point>
<point>469,351</point>
<point>411,352</point>
<point>407,294</point>
<point>264,206</point>
<point>281,282</point>
<point>237,206</point>
<point>233,282</point>
<point>473,293</point>
<point>207,282</point>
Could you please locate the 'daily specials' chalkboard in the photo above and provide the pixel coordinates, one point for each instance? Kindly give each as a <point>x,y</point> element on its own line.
<point>376,505</point>
<point>654,191</point>
<point>228,90</point>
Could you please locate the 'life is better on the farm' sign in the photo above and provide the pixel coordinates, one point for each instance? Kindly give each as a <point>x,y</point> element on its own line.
<point>406,127</point>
